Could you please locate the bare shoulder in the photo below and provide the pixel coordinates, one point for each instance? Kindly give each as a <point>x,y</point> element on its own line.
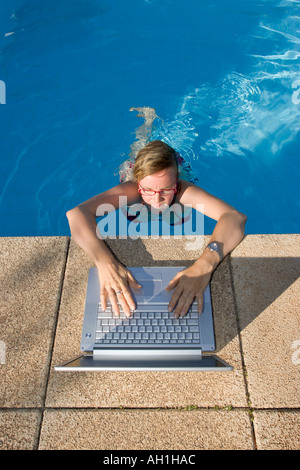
<point>193,195</point>
<point>122,194</point>
<point>183,195</point>
<point>129,188</point>
<point>183,185</point>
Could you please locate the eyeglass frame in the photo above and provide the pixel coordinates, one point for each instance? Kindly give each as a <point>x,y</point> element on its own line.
<point>153,190</point>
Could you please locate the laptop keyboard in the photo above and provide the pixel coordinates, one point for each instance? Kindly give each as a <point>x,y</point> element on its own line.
<point>147,326</point>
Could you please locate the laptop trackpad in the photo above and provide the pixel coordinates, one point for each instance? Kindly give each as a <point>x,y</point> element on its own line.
<point>149,288</point>
<point>152,293</point>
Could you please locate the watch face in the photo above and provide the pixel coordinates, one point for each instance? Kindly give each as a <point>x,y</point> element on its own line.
<point>214,246</point>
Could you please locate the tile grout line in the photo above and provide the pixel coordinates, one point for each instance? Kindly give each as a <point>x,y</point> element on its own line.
<point>250,409</point>
<point>160,408</point>
<point>42,408</point>
<point>143,408</point>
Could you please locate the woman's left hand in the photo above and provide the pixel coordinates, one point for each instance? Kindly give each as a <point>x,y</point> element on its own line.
<point>189,283</point>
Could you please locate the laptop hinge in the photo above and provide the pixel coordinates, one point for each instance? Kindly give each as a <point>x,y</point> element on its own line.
<point>146,352</point>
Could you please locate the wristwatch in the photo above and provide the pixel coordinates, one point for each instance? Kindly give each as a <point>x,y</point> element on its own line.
<point>215,246</point>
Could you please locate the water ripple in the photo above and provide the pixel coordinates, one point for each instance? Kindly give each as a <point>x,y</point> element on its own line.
<point>248,112</point>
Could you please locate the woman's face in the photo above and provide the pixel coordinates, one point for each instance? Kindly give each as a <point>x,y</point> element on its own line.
<point>165,181</point>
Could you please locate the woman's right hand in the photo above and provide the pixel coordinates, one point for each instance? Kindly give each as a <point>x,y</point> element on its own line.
<point>115,280</point>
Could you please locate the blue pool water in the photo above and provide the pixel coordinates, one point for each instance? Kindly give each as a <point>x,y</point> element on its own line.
<point>221,78</point>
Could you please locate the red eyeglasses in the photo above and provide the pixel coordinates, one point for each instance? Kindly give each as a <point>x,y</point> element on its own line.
<point>152,192</point>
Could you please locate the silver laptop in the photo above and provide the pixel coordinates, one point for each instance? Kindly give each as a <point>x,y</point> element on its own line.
<point>152,338</point>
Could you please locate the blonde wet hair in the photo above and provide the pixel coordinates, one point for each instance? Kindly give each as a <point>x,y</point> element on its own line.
<point>154,157</point>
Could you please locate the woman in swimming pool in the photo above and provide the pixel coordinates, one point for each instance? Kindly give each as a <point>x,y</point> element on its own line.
<point>154,180</point>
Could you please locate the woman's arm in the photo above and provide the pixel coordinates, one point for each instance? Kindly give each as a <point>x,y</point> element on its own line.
<point>228,232</point>
<point>83,228</point>
<point>114,277</point>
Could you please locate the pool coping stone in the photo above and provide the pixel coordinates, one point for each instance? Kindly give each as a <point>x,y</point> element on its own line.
<point>256,406</point>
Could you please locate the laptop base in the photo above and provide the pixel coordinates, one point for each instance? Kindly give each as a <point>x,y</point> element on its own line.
<point>88,362</point>
<point>156,342</point>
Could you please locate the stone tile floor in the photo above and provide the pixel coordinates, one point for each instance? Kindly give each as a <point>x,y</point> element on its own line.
<point>255,294</point>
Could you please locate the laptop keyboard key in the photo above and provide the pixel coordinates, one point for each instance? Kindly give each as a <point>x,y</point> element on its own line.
<point>147,328</point>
